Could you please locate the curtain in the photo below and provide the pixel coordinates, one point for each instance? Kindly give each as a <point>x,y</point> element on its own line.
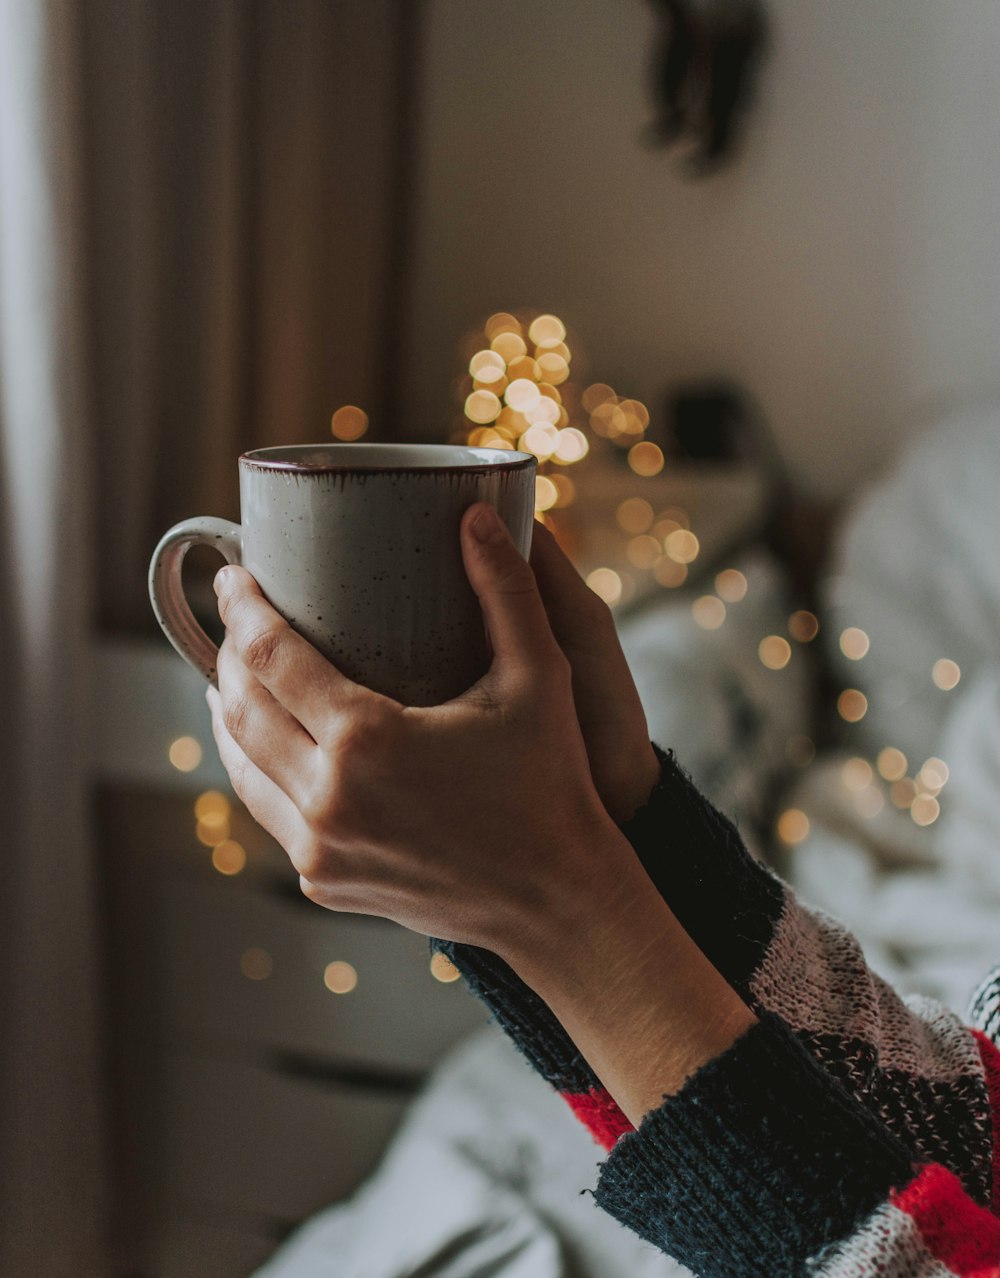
<point>242,160</point>
<point>203,233</point>
<point>52,1157</point>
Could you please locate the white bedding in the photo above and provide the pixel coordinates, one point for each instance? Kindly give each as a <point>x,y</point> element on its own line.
<point>484,1180</point>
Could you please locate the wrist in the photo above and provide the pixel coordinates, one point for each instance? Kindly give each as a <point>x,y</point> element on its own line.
<point>633,991</point>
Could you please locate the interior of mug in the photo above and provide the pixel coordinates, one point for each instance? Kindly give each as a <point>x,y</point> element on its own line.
<point>355,457</point>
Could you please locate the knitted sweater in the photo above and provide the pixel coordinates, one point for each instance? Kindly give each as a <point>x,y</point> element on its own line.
<point>848,1133</point>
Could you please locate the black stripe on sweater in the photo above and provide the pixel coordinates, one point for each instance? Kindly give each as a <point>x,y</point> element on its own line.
<point>755,1166</point>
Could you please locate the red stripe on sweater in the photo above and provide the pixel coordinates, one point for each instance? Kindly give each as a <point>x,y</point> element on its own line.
<point>956,1231</point>
<point>596,1110</point>
<point>991,1065</point>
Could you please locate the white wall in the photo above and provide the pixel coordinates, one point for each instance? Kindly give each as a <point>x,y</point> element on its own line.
<point>846,269</point>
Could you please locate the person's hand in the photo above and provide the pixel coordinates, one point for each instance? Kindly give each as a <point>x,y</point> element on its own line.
<point>475,821</point>
<point>622,762</point>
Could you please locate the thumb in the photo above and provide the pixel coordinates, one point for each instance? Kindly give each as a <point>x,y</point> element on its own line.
<point>505,585</point>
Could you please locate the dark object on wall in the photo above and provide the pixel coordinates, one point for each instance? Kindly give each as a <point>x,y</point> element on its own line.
<point>713,419</point>
<point>704,75</point>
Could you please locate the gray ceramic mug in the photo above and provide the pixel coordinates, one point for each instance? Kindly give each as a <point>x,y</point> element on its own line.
<point>357,547</point>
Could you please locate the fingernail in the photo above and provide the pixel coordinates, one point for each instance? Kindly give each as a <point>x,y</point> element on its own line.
<point>219,584</point>
<point>487,526</point>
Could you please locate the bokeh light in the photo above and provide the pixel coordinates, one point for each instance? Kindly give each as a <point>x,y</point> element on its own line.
<point>803,626</point>
<point>340,977</point>
<point>348,423</point>
<point>646,458</point>
<point>256,964</point>
<point>634,515</point>
<point>709,612</point>
<point>857,774</point>
<point>852,705</point>
<point>774,652</point>
<point>854,643</point>
<point>482,406</point>
<point>185,754</point>
<point>892,763</point>
<point>606,583</point>
<point>945,674</point>
<point>925,809</point>
<point>731,585</point>
<point>682,546</point>
<point>229,857</point>
<point>793,826</point>
<point>547,330</point>
<point>443,969</point>
<point>522,394</point>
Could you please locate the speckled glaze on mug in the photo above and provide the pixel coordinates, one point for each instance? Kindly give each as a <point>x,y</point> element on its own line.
<point>357,546</point>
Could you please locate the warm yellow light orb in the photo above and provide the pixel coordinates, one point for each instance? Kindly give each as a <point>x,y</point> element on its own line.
<point>340,977</point>
<point>668,572</point>
<point>546,493</point>
<point>803,626</point>
<point>606,583</point>
<point>482,406</point>
<point>212,807</point>
<point>595,395</point>
<point>857,774</point>
<point>571,446</point>
<point>185,754</point>
<point>539,440</point>
<point>854,643</point>
<point>544,413</point>
<point>646,458</point>
<point>774,652</point>
<point>634,515</point>
<point>229,857</point>
<point>552,368</point>
<point>502,322</point>
<point>945,674</point>
<point>852,705</point>
<point>509,346</point>
<point>892,763</point>
<point>547,330</point>
<point>925,809</point>
<point>709,612</point>
<point>731,585</point>
<point>348,423</point>
<point>443,969</point>
<point>793,826</point>
<point>486,359</point>
<point>644,551</point>
<point>682,546</point>
<point>522,394</point>
<point>934,775</point>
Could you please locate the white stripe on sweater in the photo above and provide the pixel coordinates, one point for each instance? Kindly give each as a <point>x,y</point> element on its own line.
<point>889,1244</point>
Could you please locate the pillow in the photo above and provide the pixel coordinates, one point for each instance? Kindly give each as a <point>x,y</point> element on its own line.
<point>918,569</point>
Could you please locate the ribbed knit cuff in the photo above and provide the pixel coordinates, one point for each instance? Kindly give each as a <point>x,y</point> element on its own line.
<point>522,1015</point>
<point>725,899</point>
<point>758,1163</point>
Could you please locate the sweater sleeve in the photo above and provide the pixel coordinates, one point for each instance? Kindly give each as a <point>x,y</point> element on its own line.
<point>912,1064</point>
<point>764,1163</point>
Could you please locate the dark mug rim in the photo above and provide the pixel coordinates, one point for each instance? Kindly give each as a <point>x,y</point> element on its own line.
<point>281,458</point>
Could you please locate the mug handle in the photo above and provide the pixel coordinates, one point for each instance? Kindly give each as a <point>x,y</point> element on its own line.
<point>166,589</point>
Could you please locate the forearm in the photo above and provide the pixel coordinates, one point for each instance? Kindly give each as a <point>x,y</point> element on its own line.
<point>632,991</point>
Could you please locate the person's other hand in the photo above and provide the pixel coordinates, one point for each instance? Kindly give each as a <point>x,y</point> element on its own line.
<point>622,762</point>
<point>475,821</point>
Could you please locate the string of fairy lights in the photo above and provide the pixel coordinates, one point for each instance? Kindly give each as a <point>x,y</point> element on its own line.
<point>518,393</point>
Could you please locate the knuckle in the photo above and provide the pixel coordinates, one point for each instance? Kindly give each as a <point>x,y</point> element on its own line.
<point>516,578</point>
<point>235,716</point>
<point>261,649</point>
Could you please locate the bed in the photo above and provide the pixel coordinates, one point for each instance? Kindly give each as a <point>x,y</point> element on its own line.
<point>489,1173</point>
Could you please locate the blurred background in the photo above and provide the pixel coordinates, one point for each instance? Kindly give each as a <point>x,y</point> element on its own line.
<point>730,269</point>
